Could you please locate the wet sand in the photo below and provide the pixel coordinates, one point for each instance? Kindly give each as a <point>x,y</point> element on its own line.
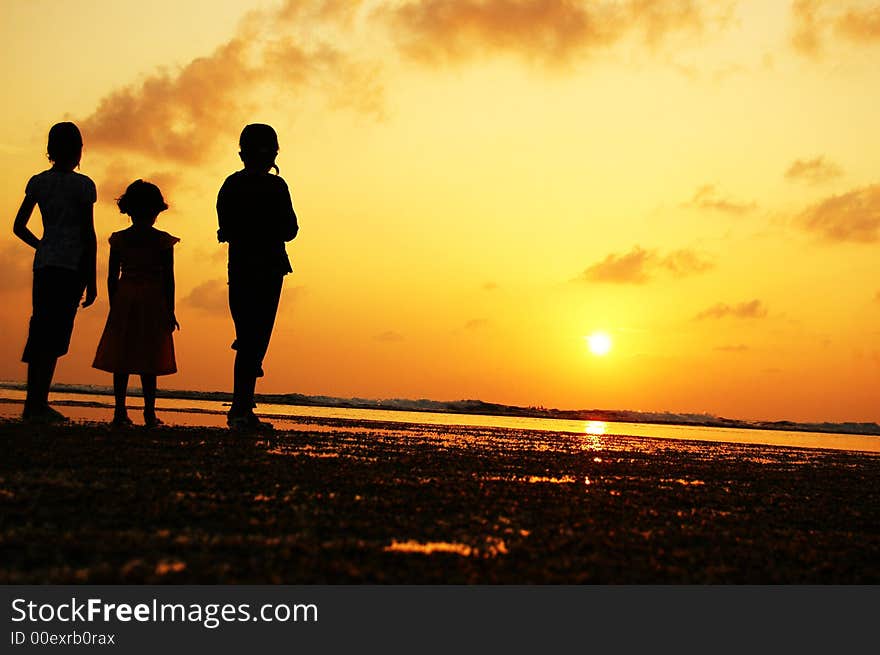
<point>335,501</point>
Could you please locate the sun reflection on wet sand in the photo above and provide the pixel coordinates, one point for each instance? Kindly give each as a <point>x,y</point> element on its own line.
<point>493,548</point>
<point>596,428</point>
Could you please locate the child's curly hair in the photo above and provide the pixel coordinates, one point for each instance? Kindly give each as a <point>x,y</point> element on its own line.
<point>140,199</point>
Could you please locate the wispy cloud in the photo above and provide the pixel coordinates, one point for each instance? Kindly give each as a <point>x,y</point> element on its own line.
<point>118,175</point>
<point>477,324</point>
<point>848,217</point>
<point>750,309</point>
<point>630,268</point>
<point>639,265</point>
<point>551,32</point>
<point>806,27</point>
<point>490,286</point>
<point>813,171</point>
<point>174,115</point>
<point>862,24</point>
<point>210,297</point>
<point>814,21</point>
<point>179,114</point>
<point>684,262</point>
<point>319,11</point>
<point>708,198</point>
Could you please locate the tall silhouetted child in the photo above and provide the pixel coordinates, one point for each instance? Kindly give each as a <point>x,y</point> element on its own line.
<point>140,284</point>
<point>256,218</point>
<point>64,262</point>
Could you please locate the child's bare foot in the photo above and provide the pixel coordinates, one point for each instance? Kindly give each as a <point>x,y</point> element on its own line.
<point>152,421</point>
<point>248,423</point>
<point>44,414</point>
<point>121,421</point>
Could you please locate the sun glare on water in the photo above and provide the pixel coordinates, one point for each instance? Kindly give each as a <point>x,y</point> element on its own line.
<point>599,343</point>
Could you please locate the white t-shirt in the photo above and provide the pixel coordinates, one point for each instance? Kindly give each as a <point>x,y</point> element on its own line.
<point>64,199</point>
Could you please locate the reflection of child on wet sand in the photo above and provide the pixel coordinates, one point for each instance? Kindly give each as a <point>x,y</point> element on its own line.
<point>140,284</point>
<point>64,262</point>
<point>256,218</point>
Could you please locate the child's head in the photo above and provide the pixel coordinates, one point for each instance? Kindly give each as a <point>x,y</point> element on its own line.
<point>65,145</point>
<point>142,201</point>
<point>259,147</point>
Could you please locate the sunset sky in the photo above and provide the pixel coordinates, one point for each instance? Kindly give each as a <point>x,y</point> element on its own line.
<point>481,184</point>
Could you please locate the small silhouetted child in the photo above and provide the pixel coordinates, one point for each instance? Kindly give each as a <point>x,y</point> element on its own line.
<point>140,284</point>
<point>256,218</point>
<point>64,262</point>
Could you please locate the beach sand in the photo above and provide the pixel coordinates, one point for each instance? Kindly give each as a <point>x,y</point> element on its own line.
<point>336,501</point>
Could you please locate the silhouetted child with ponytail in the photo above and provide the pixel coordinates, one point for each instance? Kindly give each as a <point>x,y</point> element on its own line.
<point>140,284</point>
<point>256,218</point>
<point>64,262</point>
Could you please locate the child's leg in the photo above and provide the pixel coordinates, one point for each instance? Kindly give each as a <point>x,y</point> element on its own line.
<point>120,390</point>
<point>244,384</point>
<point>254,305</point>
<point>39,380</point>
<point>148,386</point>
<point>55,296</point>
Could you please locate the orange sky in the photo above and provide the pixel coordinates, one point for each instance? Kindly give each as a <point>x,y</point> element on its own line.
<point>482,183</point>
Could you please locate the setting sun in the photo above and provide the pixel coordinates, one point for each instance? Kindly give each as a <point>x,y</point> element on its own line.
<point>599,343</point>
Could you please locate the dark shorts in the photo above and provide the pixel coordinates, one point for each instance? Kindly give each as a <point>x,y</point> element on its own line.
<point>253,303</point>
<point>56,295</point>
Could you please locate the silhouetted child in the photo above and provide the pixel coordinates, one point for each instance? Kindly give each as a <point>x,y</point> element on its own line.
<point>140,284</point>
<point>64,262</point>
<point>256,218</point>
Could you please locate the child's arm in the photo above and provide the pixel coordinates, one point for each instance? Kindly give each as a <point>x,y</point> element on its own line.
<point>90,259</point>
<point>114,270</point>
<point>168,283</point>
<point>20,228</point>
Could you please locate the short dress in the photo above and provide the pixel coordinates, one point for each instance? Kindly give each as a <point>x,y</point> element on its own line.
<point>138,336</point>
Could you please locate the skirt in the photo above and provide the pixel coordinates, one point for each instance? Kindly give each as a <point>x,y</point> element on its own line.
<point>138,336</point>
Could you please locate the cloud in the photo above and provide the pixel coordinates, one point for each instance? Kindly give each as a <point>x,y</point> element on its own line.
<point>346,83</point>
<point>176,115</point>
<point>552,32</point>
<point>477,324</point>
<point>877,297</point>
<point>813,171</point>
<point>118,175</point>
<point>319,11</point>
<point>179,114</point>
<point>806,32</point>
<point>214,253</point>
<point>849,217</point>
<point>632,267</point>
<point>814,20</point>
<point>682,263</point>
<point>389,336</point>
<point>749,309</point>
<point>639,265</point>
<point>490,286</point>
<point>211,297</point>
<point>860,24</point>
<point>707,197</point>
